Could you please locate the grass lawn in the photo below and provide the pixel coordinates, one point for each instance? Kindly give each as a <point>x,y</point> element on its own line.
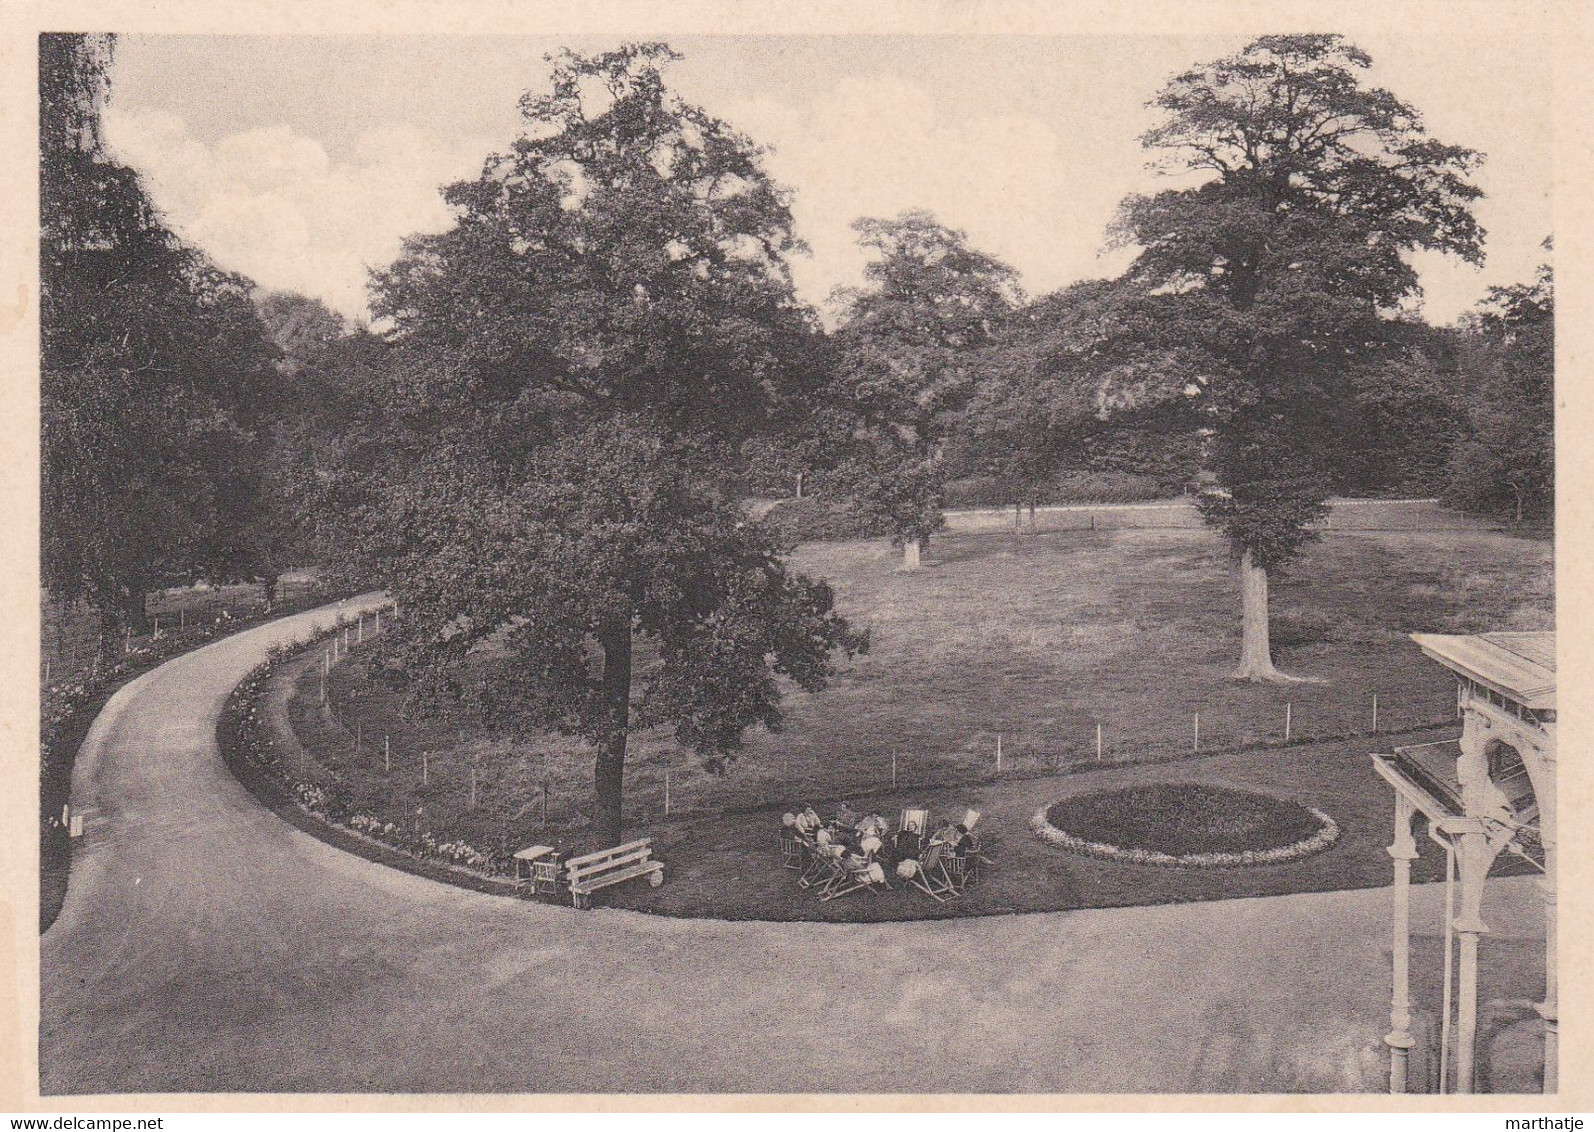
<point>728,865</point>
<point>1037,639</point>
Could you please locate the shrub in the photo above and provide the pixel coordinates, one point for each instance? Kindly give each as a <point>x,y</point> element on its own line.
<point>977,491</point>
<point>1083,486</point>
<point>1104,487</point>
<point>817,519</point>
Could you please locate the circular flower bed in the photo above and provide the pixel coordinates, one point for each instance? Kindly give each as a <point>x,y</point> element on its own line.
<point>1187,825</point>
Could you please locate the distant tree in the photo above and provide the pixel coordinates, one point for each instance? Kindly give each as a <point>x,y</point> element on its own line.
<point>153,369</point>
<point>1506,463</point>
<point>576,363</point>
<point>1071,383</point>
<point>1280,269</point>
<point>325,423</point>
<point>299,326</point>
<point>907,348</point>
<point>1408,415</point>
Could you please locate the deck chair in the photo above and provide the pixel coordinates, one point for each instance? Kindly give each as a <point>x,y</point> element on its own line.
<point>928,874</point>
<point>815,860</point>
<point>857,872</point>
<point>914,821</point>
<point>822,866</point>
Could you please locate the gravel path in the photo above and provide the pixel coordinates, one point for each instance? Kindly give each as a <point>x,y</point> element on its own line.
<point>206,945</point>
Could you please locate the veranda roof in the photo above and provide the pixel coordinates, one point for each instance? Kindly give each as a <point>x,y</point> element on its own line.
<point>1520,666</point>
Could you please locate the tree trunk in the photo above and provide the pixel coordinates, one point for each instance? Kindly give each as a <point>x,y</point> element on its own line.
<point>799,485</point>
<point>1032,513</point>
<point>1018,515</point>
<point>113,622</point>
<point>608,775</point>
<point>131,609</point>
<point>910,554</point>
<point>1256,653</point>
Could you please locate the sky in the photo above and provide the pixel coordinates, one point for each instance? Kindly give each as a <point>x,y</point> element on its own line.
<point>303,162</point>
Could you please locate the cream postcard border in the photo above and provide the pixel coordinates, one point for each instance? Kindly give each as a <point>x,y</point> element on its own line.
<point>1569,25</point>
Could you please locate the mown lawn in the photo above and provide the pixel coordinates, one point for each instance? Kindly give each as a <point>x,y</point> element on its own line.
<point>728,865</point>
<point>1038,639</point>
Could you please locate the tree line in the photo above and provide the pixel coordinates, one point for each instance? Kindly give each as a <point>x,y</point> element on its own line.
<point>543,443</point>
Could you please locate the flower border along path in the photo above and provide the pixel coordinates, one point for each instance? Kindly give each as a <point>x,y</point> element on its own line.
<point>253,752</point>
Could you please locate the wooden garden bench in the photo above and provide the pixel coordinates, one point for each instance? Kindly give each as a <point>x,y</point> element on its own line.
<point>588,873</point>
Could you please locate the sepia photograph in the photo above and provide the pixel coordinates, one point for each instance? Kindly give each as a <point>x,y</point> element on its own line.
<point>805,563</point>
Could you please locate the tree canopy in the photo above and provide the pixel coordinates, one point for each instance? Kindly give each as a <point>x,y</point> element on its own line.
<point>574,367</point>
<point>153,369</point>
<point>1506,462</point>
<point>908,351</point>
<point>627,254</point>
<point>1279,274</point>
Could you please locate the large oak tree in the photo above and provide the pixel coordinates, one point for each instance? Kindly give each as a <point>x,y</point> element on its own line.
<point>1280,265</point>
<point>576,364</point>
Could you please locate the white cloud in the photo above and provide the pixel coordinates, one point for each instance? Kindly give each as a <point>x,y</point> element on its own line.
<point>272,204</point>
<point>1036,191</point>
<point>878,146</point>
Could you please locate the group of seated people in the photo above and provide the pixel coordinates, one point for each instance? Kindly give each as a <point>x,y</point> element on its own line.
<point>867,847</point>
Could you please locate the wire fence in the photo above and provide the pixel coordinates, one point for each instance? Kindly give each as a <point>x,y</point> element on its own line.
<point>499,796</point>
<point>987,757</point>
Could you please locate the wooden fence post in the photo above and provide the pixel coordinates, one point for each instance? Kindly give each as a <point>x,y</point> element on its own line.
<point>893,768</point>
<point>1098,742</point>
<point>1375,713</point>
<point>426,769</point>
<point>1197,747</point>
<point>387,756</point>
<point>998,752</point>
<point>1289,710</point>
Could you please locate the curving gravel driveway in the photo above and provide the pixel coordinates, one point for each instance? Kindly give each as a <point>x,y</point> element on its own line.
<point>205,945</point>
